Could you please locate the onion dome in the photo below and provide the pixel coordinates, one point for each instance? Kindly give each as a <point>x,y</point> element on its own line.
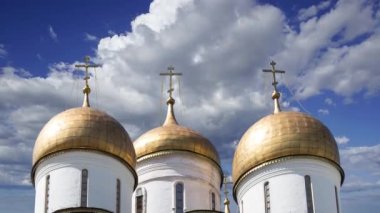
<point>85,129</point>
<point>280,135</point>
<point>283,134</point>
<point>173,137</point>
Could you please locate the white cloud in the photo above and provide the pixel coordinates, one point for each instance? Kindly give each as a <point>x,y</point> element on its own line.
<point>161,14</point>
<point>220,59</point>
<point>322,55</point>
<point>27,104</point>
<point>220,46</point>
<point>329,102</point>
<point>3,51</point>
<point>342,140</point>
<point>53,35</point>
<point>366,156</point>
<point>313,10</point>
<point>111,32</point>
<point>361,165</point>
<point>324,111</point>
<point>89,37</point>
<point>9,71</point>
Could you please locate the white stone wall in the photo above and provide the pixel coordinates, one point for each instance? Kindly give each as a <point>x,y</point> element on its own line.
<point>287,187</point>
<point>65,172</point>
<point>158,176</point>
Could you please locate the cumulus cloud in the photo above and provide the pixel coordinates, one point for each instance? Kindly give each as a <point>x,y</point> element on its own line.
<point>364,157</point>
<point>313,10</point>
<point>361,165</point>
<point>323,111</point>
<point>3,51</point>
<point>111,32</point>
<point>89,37</point>
<point>320,53</point>
<point>330,102</point>
<point>342,139</point>
<point>218,63</point>
<point>53,35</point>
<point>220,46</point>
<point>27,104</point>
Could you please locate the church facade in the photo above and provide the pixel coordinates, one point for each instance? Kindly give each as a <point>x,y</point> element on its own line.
<point>85,161</point>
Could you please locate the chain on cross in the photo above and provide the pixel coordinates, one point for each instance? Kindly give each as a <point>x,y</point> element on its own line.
<point>274,71</point>
<point>276,95</point>
<point>86,89</point>
<point>170,73</point>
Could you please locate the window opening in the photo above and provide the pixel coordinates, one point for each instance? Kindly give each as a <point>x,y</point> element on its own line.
<point>139,201</point>
<point>309,194</point>
<point>213,201</point>
<point>84,186</point>
<point>267,197</point>
<point>47,195</point>
<point>117,196</point>
<point>179,198</point>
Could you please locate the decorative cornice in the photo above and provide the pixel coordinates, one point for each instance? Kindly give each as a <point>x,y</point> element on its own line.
<point>283,159</point>
<point>54,154</point>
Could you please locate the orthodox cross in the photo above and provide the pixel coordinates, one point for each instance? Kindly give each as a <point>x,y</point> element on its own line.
<point>276,95</point>
<point>274,71</point>
<point>170,74</point>
<point>86,89</point>
<point>86,65</point>
<point>225,185</point>
<point>226,201</point>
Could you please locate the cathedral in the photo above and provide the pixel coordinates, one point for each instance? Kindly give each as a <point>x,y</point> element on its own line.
<point>85,161</point>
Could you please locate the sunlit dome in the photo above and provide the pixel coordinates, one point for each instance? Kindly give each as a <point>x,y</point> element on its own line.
<point>173,137</point>
<point>85,129</point>
<point>280,135</point>
<point>283,134</point>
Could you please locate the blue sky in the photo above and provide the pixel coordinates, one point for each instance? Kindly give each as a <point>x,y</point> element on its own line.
<point>329,49</point>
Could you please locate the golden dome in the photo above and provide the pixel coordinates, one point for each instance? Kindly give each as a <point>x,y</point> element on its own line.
<point>173,137</point>
<point>280,135</point>
<point>87,129</point>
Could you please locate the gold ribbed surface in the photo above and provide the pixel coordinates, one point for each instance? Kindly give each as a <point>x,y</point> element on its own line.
<point>283,134</point>
<point>84,128</point>
<point>174,137</point>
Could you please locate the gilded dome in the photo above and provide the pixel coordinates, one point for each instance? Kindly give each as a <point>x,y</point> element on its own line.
<point>84,128</point>
<point>173,137</point>
<point>280,135</point>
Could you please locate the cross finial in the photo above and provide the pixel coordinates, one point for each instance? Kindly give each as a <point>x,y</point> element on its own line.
<point>275,95</point>
<point>170,118</point>
<point>86,89</point>
<point>170,74</point>
<point>226,201</point>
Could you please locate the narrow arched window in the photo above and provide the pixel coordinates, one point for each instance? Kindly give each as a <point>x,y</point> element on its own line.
<point>83,191</point>
<point>117,196</point>
<point>139,201</point>
<point>267,197</point>
<point>309,195</point>
<point>179,198</point>
<point>47,188</point>
<point>213,201</point>
<point>337,200</point>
